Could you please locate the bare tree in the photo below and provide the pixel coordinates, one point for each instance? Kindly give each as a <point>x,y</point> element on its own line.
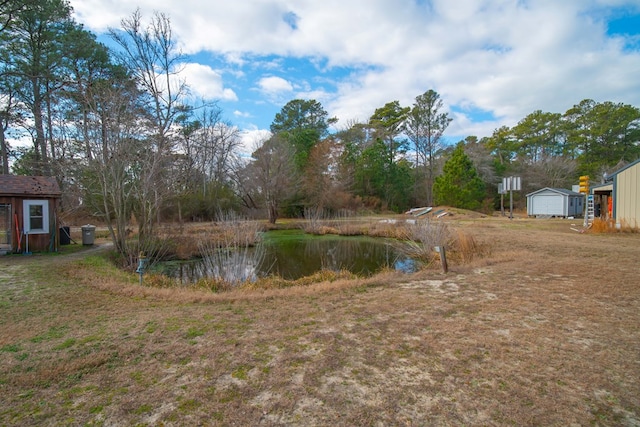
<point>152,57</point>
<point>272,173</point>
<point>320,178</point>
<point>208,157</point>
<point>554,172</point>
<point>482,159</point>
<point>112,172</point>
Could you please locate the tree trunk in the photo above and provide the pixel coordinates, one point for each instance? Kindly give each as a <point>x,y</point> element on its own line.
<point>273,211</point>
<point>4,153</point>
<point>39,143</point>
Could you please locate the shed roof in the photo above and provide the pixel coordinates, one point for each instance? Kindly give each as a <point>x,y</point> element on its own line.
<point>606,187</point>
<point>556,190</point>
<point>18,185</point>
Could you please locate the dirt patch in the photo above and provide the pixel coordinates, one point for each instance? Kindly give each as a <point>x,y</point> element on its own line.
<point>543,331</point>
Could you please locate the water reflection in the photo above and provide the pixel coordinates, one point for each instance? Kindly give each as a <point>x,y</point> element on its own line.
<point>294,258</point>
<point>294,255</point>
<point>231,266</point>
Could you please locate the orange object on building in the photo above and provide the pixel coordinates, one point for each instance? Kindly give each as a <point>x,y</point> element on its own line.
<point>610,207</point>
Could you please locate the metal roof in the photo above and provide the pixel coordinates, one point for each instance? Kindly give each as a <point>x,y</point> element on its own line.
<point>556,190</point>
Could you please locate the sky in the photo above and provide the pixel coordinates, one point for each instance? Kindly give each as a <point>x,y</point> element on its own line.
<point>492,62</point>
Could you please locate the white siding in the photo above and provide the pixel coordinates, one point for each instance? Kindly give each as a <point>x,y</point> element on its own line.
<point>627,197</point>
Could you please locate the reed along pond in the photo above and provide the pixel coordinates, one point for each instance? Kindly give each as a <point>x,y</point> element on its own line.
<point>292,254</point>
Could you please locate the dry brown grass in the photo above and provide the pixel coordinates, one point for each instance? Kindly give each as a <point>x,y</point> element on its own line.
<point>187,240</point>
<point>609,226</point>
<point>542,330</point>
<point>603,226</point>
<point>466,248</point>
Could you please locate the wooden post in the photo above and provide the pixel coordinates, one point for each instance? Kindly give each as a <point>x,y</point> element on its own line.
<point>511,204</point>
<point>142,264</point>
<point>443,258</point>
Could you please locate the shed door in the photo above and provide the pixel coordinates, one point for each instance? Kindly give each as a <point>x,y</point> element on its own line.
<point>5,224</point>
<point>548,204</point>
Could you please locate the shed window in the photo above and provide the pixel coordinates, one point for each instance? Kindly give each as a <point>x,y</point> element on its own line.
<point>36,216</point>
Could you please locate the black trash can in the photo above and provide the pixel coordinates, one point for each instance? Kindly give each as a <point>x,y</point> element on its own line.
<point>65,235</point>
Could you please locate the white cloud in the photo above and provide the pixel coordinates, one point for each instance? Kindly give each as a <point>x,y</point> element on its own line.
<point>252,139</point>
<point>206,83</point>
<point>274,85</point>
<point>504,56</point>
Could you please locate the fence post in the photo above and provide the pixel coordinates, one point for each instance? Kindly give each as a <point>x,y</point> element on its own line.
<point>443,258</point>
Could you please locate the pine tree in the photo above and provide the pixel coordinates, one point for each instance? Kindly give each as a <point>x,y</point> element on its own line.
<point>459,186</point>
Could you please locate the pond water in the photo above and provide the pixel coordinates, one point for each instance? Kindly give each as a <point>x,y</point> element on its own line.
<point>292,254</point>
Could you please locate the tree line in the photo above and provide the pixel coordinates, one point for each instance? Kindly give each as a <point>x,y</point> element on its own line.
<point>398,159</point>
<point>117,129</point>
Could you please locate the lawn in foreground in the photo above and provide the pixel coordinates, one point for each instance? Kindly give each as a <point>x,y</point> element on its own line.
<point>543,332</point>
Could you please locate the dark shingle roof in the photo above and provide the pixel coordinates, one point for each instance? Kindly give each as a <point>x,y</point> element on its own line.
<point>16,185</point>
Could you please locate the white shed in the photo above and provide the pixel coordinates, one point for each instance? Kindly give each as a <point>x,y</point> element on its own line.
<point>555,202</point>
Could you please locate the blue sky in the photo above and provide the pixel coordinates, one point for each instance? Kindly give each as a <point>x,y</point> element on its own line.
<point>492,61</point>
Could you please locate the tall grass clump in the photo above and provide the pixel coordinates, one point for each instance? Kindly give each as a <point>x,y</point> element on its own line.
<point>346,224</point>
<point>314,220</point>
<point>153,248</point>
<point>321,221</point>
<point>465,247</point>
<point>393,229</point>
<point>232,255</point>
<point>609,226</point>
<point>629,226</point>
<point>602,226</point>
<point>421,237</point>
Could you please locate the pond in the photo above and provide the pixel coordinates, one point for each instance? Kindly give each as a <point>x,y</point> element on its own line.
<point>292,254</point>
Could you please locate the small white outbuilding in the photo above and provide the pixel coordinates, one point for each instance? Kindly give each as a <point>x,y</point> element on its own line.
<point>557,202</point>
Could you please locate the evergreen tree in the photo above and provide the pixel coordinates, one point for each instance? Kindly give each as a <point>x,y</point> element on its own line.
<point>302,123</point>
<point>425,124</point>
<point>459,185</point>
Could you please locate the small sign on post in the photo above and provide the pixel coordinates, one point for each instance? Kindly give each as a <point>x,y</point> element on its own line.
<point>511,184</point>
